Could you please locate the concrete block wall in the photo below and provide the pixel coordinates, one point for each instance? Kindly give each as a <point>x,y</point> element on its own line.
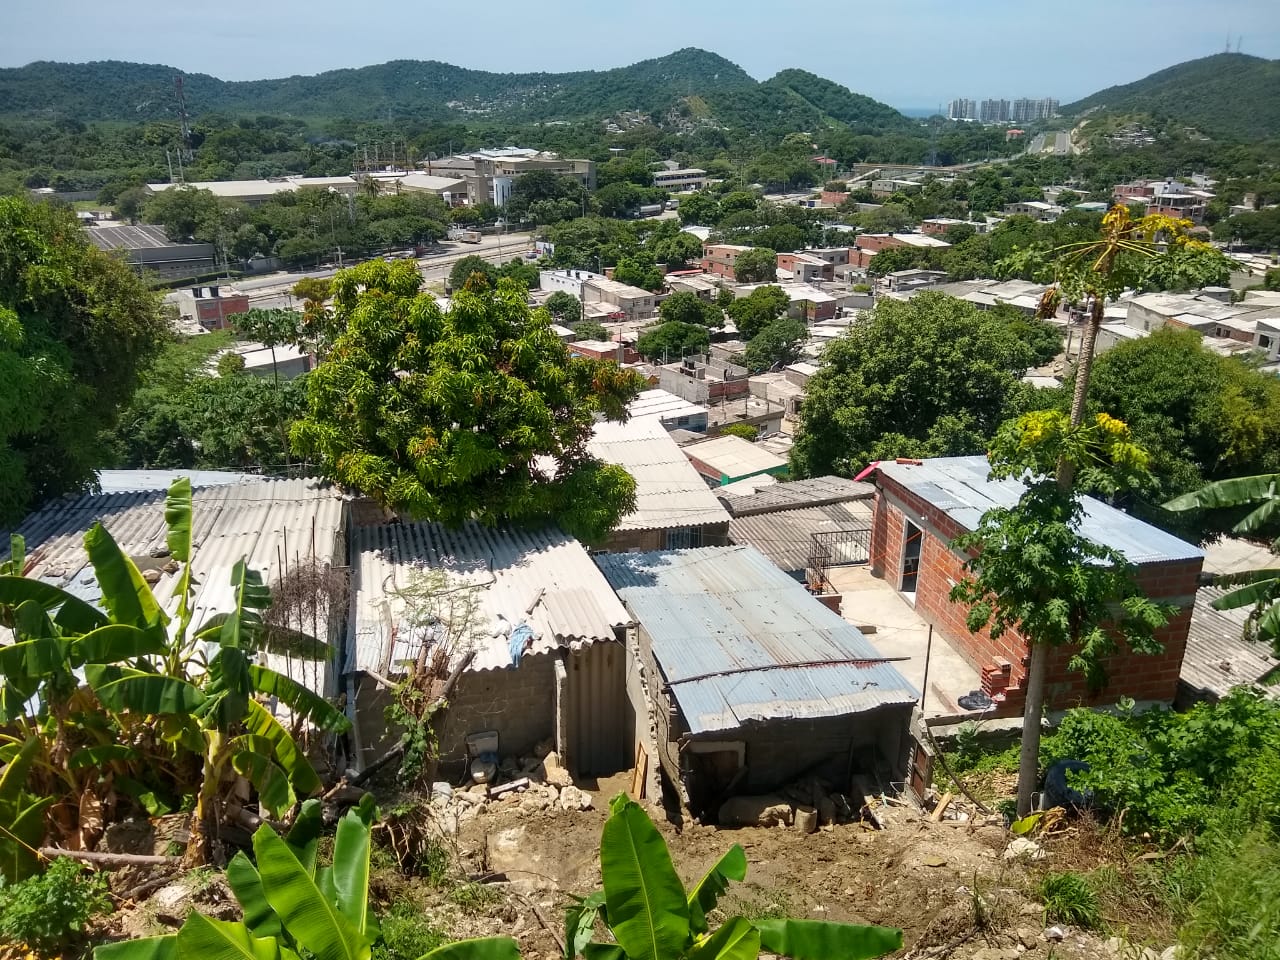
<point>517,702</point>
<point>1002,662</point>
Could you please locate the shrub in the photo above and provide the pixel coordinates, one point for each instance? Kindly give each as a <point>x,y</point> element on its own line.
<point>407,934</point>
<point>744,430</point>
<point>1235,886</point>
<point>50,911</point>
<point>1068,898</point>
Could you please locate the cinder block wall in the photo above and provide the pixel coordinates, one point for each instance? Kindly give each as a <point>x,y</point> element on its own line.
<point>517,702</point>
<point>1003,662</point>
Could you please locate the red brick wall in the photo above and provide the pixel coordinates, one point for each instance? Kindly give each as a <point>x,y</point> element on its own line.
<point>1003,662</point>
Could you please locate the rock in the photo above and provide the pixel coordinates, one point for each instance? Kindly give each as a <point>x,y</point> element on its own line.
<point>1176,952</point>
<point>152,576</point>
<point>1028,938</point>
<point>533,802</point>
<point>826,810</point>
<point>552,772</point>
<point>762,811</point>
<point>1022,847</point>
<point>1055,934</point>
<point>571,798</point>
<point>806,820</point>
<point>996,953</point>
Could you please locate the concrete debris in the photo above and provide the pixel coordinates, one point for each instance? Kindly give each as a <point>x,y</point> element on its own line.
<point>765,811</point>
<point>1055,934</point>
<point>553,772</point>
<point>1022,847</point>
<point>571,798</point>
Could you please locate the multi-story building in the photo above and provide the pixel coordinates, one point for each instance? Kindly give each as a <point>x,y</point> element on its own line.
<point>690,178</point>
<point>993,111</point>
<point>1024,110</point>
<point>962,109</point>
<point>719,258</point>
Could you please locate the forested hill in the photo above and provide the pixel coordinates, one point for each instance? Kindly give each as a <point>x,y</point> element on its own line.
<point>1228,95</point>
<point>689,83</point>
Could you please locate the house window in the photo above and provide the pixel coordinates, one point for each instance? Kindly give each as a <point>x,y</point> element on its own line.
<point>911,540</point>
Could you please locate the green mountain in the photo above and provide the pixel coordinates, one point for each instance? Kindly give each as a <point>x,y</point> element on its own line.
<point>1227,95</point>
<point>429,90</point>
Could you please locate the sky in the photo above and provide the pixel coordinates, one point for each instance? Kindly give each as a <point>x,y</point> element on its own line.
<point>916,54</point>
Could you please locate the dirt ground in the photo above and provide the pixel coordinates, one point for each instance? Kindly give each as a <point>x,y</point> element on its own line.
<point>947,885</point>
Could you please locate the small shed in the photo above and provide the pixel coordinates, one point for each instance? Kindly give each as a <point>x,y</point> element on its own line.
<point>727,458</point>
<point>750,682</point>
<point>446,599</point>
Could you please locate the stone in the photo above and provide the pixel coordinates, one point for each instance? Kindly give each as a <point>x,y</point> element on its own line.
<point>1028,937</point>
<point>996,953</point>
<point>1055,934</point>
<point>1176,952</point>
<point>762,811</point>
<point>571,798</point>
<point>533,803</point>
<point>552,771</point>
<point>1022,847</point>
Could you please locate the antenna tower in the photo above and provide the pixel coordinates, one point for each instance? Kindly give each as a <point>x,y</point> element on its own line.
<point>183,121</point>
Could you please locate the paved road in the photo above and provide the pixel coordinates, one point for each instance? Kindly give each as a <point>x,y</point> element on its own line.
<point>272,289</point>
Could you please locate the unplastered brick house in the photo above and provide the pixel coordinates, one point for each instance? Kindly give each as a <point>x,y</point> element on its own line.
<point>921,506</point>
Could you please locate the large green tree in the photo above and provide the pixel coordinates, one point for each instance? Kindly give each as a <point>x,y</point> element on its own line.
<point>76,326</point>
<point>452,416</point>
<point>670,341</point>
<point>758,309</point>
<point>928,376</point>
<point>776,345</point>
<point>757,265</point>
<point>686,307</point>
<point>564,307</point>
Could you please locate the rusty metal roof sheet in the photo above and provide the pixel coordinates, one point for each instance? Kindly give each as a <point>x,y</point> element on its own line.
<point>1218,658</point>
<point>509,569</point>
<point>738,641</point>
<point>786,536</point>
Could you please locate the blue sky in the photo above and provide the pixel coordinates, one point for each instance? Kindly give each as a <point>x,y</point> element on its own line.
<point>908,54</point>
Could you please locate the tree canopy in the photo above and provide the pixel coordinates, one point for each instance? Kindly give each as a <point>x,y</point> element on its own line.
<point>777,344</point>
<point>758,309</point>
<point>673,340</point>
<point>757,265</point>
<point>929,376</point>
<point>76,327</point>
<point>564,307</point>
<point>687,307</point>
<point>453,416</point>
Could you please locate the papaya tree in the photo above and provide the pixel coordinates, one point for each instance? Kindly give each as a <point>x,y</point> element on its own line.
<point>1259,589</point>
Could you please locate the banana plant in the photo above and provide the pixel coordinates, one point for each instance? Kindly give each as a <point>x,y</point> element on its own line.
<point>1259,589</point>
<point>21,815</point>
<point>293,908</point>
<point>652,917</point>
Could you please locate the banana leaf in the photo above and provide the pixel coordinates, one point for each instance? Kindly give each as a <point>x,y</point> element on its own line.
<point>824,939</point>
<point>648,911</point>
<point>304,836</point>
<point>299,699</point>
<point>116,642</point>
<point>203,938</point>
<point>1228,493</point>
<point>246,884</point>
<point>17,556</point>
<point>1259,585</point>
<point>274,791</point>
<point>593,950</point>
<point>580,923</point>
<point>146,948</point>
<point>150,800</point>
<point>302,775</point>
<point>20,835</point>
<point>735,940</point>
<point>484,948</point>
<point>315,924</point>
<point>127,597</point>
<point>281,641</point>
<point>121,689</point>
<point>703,899</point>
<point>100,755</point>
<point>74,615</point>
<point>14,776</point>
<point>241,629</point>
<point>351,852</point>
<point>32,659</point>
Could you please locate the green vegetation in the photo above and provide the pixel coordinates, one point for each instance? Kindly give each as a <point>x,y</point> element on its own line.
<point>50,912</point>
<point>564,308</point>
<point>669,342</point>
<point>76,329</point>
<point>1068,898</point>
<point>744,430</point>
<point>442,415</point>
<point>757,265</point>
<point>931,376</point>
<point>1227,94</point>
<point>776,345</point>
<point>689,308</point>
<point>143,672</point>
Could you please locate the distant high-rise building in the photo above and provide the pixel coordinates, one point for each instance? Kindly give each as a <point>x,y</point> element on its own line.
<point>993,111</point>
<point>1025,110</point>
<point>962,109</point>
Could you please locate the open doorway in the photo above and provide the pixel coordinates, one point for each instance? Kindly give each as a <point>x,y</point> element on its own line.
<point>911,540</point>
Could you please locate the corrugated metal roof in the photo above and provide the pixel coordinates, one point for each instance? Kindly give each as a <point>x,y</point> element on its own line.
<point>794,494</point>
<point>734,456</point>
<point>786,536</point>
<point>738,641</point>
<point>134,481</point>
<point>508,569</point>
<point>664,404</point>
<point>961,487</point>
<point>1218,657</point>
<point>273,524</point>
<point>669,492</point>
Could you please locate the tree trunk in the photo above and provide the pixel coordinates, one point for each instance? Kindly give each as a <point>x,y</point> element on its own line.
<point>204,819</point>
<point>1029,757</point>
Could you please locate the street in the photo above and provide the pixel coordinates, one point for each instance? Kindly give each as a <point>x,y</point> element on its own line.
<point>272,290</point>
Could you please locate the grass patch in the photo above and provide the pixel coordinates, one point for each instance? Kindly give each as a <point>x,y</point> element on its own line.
<point>1068,898</point>
<point>753,902</point>
<point>407,933</point>
<point>474,897</point>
